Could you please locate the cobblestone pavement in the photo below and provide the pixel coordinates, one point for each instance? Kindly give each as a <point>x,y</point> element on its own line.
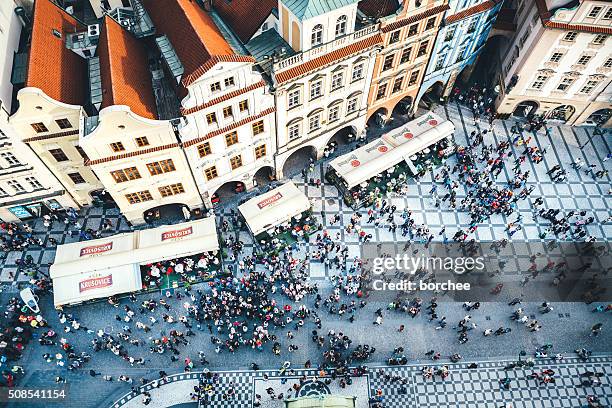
<point>466,387</point>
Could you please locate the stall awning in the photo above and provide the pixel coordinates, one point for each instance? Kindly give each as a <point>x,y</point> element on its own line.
<point>175,241</point>
<point>273,208</point>
<point>92,285</point>
<point>374,158</point>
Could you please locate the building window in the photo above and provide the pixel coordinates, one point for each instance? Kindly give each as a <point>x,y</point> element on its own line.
<point>395,36</point>
<point>341,26</point>
<point>594,12</point>
<point>294,131</point>
<point>570,36</point>
<point>120,176</point>
<point>565,83</point>
<point>63,123</point>
<point>258,127</point>
<point>333,114</point>
<point>600,39</point>
<point>172,189</point>
<point>461,54</point>
<point>243,106</point>
<point>316,38</point>
<point>227,112</point>
<point>314,123</point>
<point>16,186</point>
<point>337,81</point>
<point>450,34</point>
<point>139,197</point>
<point>142,141</point>
<point>382,91</point>
<point>211,173</point>
<point>36,184</point>
<point>231,139</point>
<point>3,192</point>
<point>413,30</point>
<point>204,149</point>
<point>608,63</point>
<point>260,151</point>
<point>58,155</point>
<point>414,77</point>
<point>117,147</point>
<point>405,55</point>
<point>76,178</point>
<point>608,15</point>
<point>472,26</point>
<point>39,127</point>
<point>215,87</point>
<point>539,82</point>
<point>556,57</point>
<point>81,152</point>
<point>440,62</point>
<point>293,98</point>
<point>236,162</point>
<point>422,49</point>
<point>388,63</point>
<point>229,82</point>
<point>397,85</point>
<point>357,73</point>
<point>211,118</point>
<point>351,105</point>
<point>160,167</point>
<point>11,159</point>
<point>589,86</point>
<point>316,89</point>
<point>583,60</point>
<point>431,23</point>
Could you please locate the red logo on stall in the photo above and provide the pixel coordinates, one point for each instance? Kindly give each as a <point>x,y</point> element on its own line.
<point>433,122</point>
<point>177,233</point>
<point>383,149</point>
<point>96,249</point>
<point>270,200</point>
<point>96,283</point>
<point>408,135</point>
<point>355,163</point>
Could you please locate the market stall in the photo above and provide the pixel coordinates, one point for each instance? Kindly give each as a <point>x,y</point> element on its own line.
<point>384,164</point>
<point>281,215</point>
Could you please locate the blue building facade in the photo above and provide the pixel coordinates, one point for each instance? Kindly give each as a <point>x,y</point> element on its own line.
<point>462,37</point>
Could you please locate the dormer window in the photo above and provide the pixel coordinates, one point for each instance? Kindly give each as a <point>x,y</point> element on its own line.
<point>341,26</point>
<point>317,35</point>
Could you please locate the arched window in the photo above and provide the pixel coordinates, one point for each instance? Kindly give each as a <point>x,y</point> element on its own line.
<point>317,35</point>
<point>340,26</point>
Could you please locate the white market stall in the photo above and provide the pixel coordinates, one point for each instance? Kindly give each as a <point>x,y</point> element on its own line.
<point>92,269</point>
<point>407,143</point>
<point>273,208</point>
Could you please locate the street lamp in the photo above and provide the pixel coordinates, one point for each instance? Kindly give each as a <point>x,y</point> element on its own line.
<point>520,362</point>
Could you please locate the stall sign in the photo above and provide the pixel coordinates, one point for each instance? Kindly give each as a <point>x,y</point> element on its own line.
<point>96,249</point>
<point>96,283</point>
<point>174,234</point>
<point>20,212</point>
<point>270,200</point>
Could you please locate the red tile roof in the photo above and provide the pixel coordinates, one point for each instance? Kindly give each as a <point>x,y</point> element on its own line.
<point>545,15</point>
<point>194,36</point>
<point>223,98</point>
<point>126,79</point>
<point>201,70</point>
<point>479,8</point>
<point>233,126</point>
<point>51,136</point>
<point>378,8</point>
<point>245,16</point>
<point>56,70</point>
<point>413,19</point>
<point>327,59</point>
<point>130,154</point>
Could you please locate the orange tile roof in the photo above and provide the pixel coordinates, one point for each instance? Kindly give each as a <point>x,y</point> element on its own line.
<point>126,79</point>
<point>378,8</point>
<point>56,70</point>
<point>135,153</point>
<point>202,69</point>
<point>327,59</point>
<point>545,15</point>
<point>479,8</point>
<point>194,36</point>
<point>223,98</point>
<point>245,16</point>
<point>51,136</point>
<point>413,19</point>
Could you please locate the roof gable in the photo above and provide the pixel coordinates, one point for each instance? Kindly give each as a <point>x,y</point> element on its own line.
<point>305,9</point>
<point>57,71</point>
<point>378,8</point>
<point>245,16</point>
<point>126,79</point>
